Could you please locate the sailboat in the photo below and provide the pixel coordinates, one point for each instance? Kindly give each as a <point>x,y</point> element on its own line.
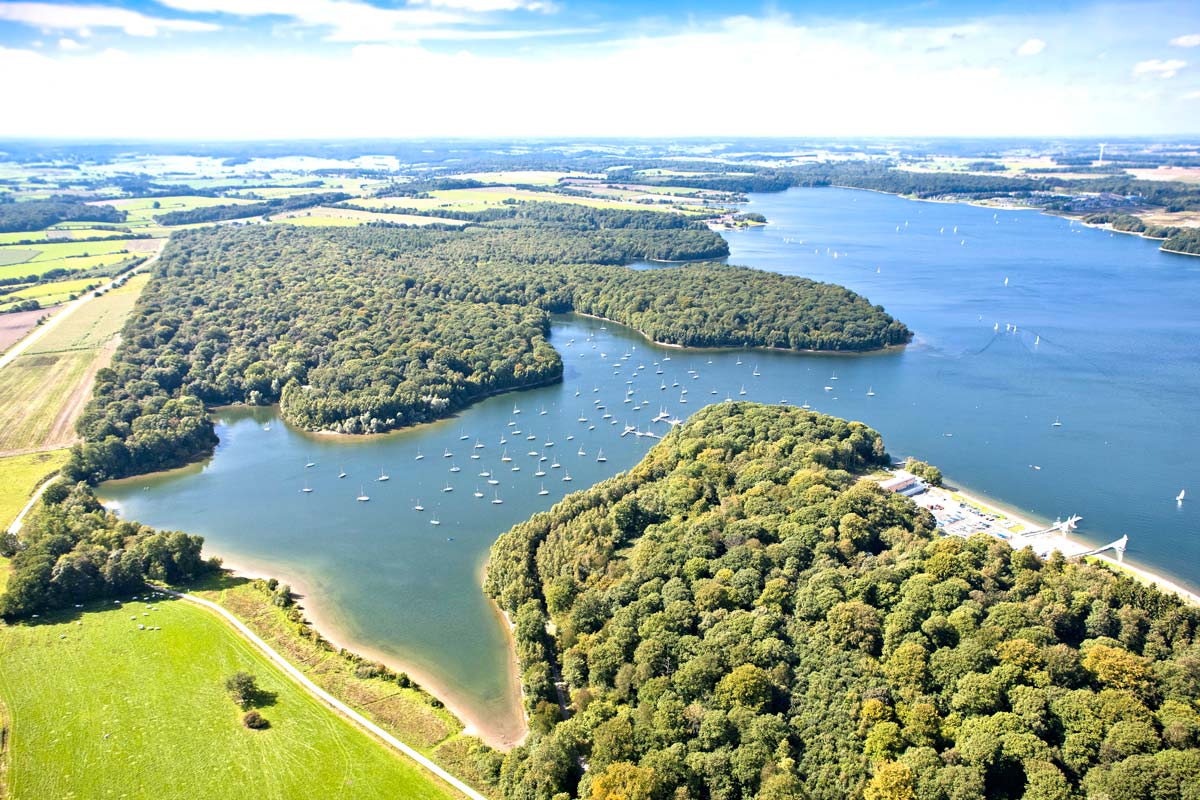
<point>542,413</point>
<point>462,437</point>
<point>543,490</point>
<point>455,468</point>
<point>1006,281</point>
<point>310,464</point>
<point>505,457</point>
<point>383,476</point>
<point>435,520</point>
<point>447,453</point>
<point>478,445</point>
<point>1056,423</point>
<point>418,506</point>
<point>477,492</point>
<point>870,392</point>
<point>1179,497</point>
<point>600,457</point>
<point>496,500</point>
<point>307,489</point>
<point>362,495</point>
<point>342,473</point>
<point>742,390</point>
<point>567,478</point>
<point>448,488</point>
<point>755,371</point>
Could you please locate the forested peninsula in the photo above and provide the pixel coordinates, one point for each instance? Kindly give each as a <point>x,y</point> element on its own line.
<point>369,329</point>
<point>740,616</point>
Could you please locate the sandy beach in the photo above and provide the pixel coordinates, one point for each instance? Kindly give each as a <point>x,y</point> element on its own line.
<point>500,734</point>
<point>1016,528</point>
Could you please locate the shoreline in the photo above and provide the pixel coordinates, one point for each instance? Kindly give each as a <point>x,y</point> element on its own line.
<point>1054,540</point>
<point>499,737</point>
<point>885,349</point>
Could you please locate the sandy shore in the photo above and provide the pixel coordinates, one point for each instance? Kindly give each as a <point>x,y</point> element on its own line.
<point>500,734</point>
<point>1015,524</point>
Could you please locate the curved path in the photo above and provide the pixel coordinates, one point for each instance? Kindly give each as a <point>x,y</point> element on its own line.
<point>325,697</point>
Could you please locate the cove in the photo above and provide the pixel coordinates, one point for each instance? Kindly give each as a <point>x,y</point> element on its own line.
<point>1105,342</point>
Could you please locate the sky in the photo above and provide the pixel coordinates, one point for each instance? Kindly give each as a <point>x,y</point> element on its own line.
<point>256,69</point>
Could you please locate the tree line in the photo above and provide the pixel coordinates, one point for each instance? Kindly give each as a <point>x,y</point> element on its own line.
<point>36,215</point>
<point>221,213</point>
<point>72,551</point>
<point>362,330</point>
<point>741,616</point>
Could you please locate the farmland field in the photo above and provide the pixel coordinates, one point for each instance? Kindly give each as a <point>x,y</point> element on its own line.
<point>48,294</point>
<point>45,388</point>
<point>23,474</point>
<point>151,706</point>
<point>323,215</point>
<point>482,199</point>
<point>108,261</point>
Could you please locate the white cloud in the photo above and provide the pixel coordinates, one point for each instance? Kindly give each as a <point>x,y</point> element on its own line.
<point>1031,47</point>
<point>51,16</point>
<point>69,44</point>
<point>839,79</point>
<point>1192,95</point>
<point>1159,68</point>
<point>486,6</point>
<point>1187,40</point>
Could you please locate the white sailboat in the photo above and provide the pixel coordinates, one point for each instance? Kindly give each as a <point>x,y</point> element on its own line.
<point>448,488</point>
<point>600,457</point>
<point>362,495</point>
<point>870,392</point>
<point>418,506</point>
<point>496,500</point>
<point>383,476</point>
<point>567,478</point>
<point>1180,497</point>
<point>477,492</point>
<point>1056,423</point>
<point>543,491</point>
<point>307,489</point>
<point>342,473</point>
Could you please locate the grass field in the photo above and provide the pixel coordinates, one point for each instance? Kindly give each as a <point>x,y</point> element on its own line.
<point>96,322</point>
<point>22,475</point>
<point>52,293</point>
<point>51,251</point>
<point>45,388</point>
<point>5,568</point>
<point>526,177</point>
<point>63,232</point>
<point>481,199</point>
<point>407,713</point>
<point>99,709</point>
<point>109,262</point>
<point>324,215</point>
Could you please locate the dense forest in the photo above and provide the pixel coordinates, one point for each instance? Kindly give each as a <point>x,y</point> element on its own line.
<point>275,205</point>
<point>36,215</point>
<point>72,550</point>
<point>368,329</point>
<point>739,616</point>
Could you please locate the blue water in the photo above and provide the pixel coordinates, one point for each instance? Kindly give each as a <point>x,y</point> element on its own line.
<point>1116,363</point>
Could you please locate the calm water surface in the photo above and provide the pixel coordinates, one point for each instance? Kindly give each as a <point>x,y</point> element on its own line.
<point>1106,330</point>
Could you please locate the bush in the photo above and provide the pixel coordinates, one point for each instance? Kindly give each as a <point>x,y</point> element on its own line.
<point>255,721</point>
<point>242,687</point>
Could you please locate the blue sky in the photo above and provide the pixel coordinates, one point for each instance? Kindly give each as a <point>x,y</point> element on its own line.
<point>233,69</point>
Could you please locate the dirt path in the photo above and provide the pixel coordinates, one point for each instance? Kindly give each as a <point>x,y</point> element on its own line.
<point>328,699</point>
<point>62,431</point>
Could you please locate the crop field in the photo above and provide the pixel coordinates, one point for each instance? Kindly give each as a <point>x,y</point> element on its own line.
<point>63,232</point>
<point>52,251</point>
<point>15,325</point>
<point>96,322</point>
<point>43,391</point>
<point>526,177</point>
<point>107,262</point>
<point>100,707</point>
<point>324,215</point>
<point>48,294</point>
<point>22,475</point>
<point>482,199</point>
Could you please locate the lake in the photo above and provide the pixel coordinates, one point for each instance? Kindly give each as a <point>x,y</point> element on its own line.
<point>1094,330</point>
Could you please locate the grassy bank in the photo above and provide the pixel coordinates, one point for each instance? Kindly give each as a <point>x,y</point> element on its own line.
<point>149,715</point>
<point>22,475</point>
<point>390,701</point>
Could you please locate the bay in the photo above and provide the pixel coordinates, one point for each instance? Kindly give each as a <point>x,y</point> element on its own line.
<point>1105,339</point>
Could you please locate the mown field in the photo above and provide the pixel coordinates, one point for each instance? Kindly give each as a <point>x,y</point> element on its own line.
<point>326,215</point>
<point>45,388</point>
<point>485,198</point>
<point>108,263</point>
<point>48,294</point>
<point>22,475</point>
<point>99,708</point>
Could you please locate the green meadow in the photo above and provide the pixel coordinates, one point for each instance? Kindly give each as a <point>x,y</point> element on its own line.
<point>22,475</point>
<point>99,707</point>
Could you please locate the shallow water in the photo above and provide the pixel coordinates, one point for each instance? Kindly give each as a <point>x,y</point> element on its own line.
<point>1105,341</point>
